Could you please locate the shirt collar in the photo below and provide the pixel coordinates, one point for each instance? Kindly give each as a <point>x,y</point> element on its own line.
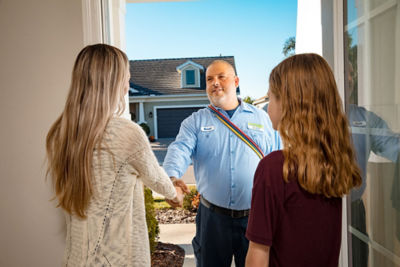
<point>242,106</point>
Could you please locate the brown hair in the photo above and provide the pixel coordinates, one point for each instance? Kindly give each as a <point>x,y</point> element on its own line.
<point>314,129</point>
<point>98,84</point>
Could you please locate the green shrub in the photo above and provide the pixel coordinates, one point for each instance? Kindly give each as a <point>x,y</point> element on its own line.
<point>145,128</point>
<point>191,200</point>
<point>152,223</point>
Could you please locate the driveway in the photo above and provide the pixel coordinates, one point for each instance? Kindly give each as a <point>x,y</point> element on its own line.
<point>160,150</point>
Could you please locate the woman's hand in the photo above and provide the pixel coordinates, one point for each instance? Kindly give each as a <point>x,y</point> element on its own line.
<point>181,189</point>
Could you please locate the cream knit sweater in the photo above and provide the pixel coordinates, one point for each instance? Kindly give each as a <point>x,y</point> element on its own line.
<point>115,232</point>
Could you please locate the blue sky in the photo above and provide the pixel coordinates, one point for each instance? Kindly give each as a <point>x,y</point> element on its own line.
<point>252,31</point>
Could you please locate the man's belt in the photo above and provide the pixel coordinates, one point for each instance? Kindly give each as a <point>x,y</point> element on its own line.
<point>224,211</point>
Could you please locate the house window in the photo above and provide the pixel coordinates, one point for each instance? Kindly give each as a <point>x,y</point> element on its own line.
<point>190,78</point>
<point>190,74</point>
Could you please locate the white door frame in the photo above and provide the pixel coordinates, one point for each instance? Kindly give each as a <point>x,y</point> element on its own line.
<point>338,46</point>
<point>104,22</point>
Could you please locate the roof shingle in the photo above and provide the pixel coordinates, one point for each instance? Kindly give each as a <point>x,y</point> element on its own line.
<point>160,77</point>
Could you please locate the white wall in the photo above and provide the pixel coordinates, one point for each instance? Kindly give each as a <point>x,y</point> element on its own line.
<point>314,29</point>
<point>39,42</point>
<point>309,27</point>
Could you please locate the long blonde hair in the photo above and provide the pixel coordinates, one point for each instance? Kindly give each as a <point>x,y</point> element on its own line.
<point>98,84</point>
<point>314,129</point>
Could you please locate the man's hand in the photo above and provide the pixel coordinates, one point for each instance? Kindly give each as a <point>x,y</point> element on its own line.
<point>181,189</point>
<point>180,183</point>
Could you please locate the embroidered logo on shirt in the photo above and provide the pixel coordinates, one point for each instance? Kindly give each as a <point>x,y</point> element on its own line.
<point>255,126</point>
<point>207,128</point>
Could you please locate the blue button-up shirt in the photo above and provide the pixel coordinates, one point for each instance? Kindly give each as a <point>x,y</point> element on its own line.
<point>370,133</point>
<point>224,165</point>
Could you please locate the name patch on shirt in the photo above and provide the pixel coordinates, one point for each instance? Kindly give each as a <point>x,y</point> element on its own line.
<point>359,123</point>
<point>255,126</point>
<point>207,128</point>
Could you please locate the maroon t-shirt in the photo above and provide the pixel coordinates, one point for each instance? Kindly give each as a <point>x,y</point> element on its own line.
<point>302,229</point>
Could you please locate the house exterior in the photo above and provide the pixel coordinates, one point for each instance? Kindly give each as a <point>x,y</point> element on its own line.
<point>165,91</point>
<point>262,103</point>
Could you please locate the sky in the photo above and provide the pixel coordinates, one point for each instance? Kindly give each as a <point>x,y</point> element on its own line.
<point>253,31</point>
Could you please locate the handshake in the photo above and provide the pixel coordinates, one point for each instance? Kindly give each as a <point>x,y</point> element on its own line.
<point>181,189</point>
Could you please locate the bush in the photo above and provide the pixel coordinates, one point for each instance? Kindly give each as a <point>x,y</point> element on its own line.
<point>145,128</point>
<point>152,223</point>
<point>191,200</point>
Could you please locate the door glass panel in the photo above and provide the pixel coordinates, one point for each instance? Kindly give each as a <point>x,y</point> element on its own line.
<point>354,10</point>
<point>372,100</point>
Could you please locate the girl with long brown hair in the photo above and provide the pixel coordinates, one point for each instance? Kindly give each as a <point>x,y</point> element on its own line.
<point>295,217</point>
<point>98,162</point>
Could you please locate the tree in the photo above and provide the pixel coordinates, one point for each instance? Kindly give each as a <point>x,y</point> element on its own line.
<point>248,100</point>
<point>289,46</point>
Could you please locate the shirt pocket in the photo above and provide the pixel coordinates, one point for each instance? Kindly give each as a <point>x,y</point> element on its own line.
<point>208,137</point>
<point>258,137</point>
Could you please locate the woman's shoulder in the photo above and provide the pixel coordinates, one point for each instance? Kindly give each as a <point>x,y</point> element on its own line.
<point>124,125</point>
<point>126,131</point>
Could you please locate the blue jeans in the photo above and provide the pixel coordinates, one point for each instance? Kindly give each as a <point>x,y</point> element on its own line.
<point>218,238</point>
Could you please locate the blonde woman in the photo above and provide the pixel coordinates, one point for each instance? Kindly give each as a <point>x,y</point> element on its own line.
<point>98,163</point>
<point>295,217</point>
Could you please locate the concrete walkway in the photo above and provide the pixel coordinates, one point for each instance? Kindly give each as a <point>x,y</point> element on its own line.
<point>160,151</point>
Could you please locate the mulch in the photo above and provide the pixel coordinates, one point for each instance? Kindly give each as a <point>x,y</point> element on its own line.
<point>167,254</point>
<point>169,216</point>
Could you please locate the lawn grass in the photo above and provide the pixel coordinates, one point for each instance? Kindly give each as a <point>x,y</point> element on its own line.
<point>160,203</point>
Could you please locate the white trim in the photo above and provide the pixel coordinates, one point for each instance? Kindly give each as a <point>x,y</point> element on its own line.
<point>155,108</point>
<point>107,20</point>
<point>309,27</point>
<point>371,14</point>
<point>117,26</point>
<point>92,22</point>
<point>375,245</point>
<point>338,59</point>
<point>189,62</point>
<point>190,65</point>
<point>338,47</point>
<point>133,90</point>
<point>141,114</point>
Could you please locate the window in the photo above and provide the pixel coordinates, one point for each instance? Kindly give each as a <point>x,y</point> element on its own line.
<point>190,78</point>
<point>190,74</point>
<point>372,98</point>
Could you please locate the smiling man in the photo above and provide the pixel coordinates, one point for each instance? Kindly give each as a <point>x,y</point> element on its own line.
<point>224,165</point>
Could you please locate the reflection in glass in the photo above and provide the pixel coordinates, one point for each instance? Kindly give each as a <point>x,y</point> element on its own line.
<point>372,99</point>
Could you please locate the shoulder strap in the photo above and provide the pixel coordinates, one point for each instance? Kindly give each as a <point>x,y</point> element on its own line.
<point>236,130</point>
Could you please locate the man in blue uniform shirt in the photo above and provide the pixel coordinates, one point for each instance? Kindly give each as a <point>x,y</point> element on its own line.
<point>224,167</point>
<point>370,133</point>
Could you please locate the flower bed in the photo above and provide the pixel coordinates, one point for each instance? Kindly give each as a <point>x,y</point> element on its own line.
<point>167,255</point>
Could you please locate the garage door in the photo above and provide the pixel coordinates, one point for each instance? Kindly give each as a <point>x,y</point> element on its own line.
<point>169,120</point>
